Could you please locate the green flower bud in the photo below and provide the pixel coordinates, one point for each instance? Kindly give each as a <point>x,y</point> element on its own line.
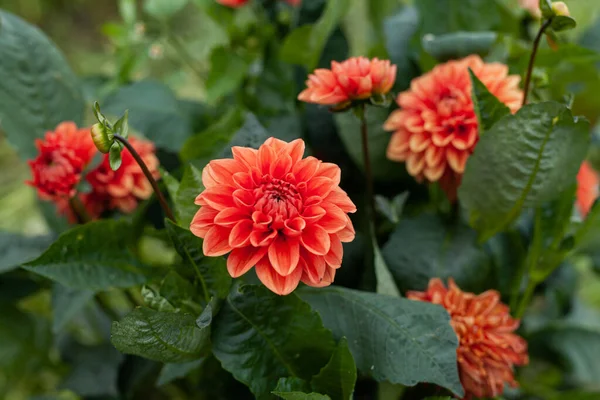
<point>101,137</point>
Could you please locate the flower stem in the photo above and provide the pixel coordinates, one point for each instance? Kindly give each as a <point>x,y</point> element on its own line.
<point>146,171</point>
<point>536,44</point>
<point>367,161</point>
<point>79,210</point>
<point>526,299</point>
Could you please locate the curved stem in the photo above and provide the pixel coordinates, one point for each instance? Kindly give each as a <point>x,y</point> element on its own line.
<point>367,160</point>
<point>146,171</point>
<point>536,44</point>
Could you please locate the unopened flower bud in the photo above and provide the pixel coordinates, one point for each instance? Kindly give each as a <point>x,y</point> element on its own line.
<point>102,139</point>
<point>560,9</point>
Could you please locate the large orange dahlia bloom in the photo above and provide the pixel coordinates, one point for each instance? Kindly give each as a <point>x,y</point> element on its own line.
<point>587,188</point>
<point>63,156</point>
<point>488,349</point>
<point>357,78</point>
<point>275,210</point>
<point>436,128</point>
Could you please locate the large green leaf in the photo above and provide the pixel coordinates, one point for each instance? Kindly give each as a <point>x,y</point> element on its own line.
<point>488,108</point>
<point>170,372</point>
<point>523,160</point>
<point>94,256</point>
<point>260,337</point>
<point>38,90</point>
<point>350,133</point>
<point>17,249</point>
<point>227,72</point>
<point>161,336</point>
<point>164,9</point>
<point>425,247</point>
<point>66,304</point>
<point>211,272</point>
<point>458,44</point>
<point>304,45</point>
<point>393,339</point>
<point>338,377</point>
<point>399,30</point>
<point>154,111</point>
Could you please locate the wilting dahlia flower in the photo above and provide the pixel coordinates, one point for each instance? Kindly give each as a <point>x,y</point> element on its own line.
<point>357,78</point>
<point>63,156</point>
<point>587,188</point>
<point>436,128</point>
<point>275,210</point>
<point>488,349</point>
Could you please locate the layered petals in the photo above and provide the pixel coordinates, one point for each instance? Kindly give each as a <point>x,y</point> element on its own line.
<point>488,349</point>
<point>276,211</point>
<point>436,128</point>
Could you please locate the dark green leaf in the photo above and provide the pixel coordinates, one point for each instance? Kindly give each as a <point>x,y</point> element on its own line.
<point>338,377</point>
<point>17,249</point>
<point>170,372</point>
<point>562,23</point>
<point>189,188</point>
<point>522,161</point>
<point>292,384</point>
<point>114,156</point>
<point>260,337</point>
<point>160,336</point>
<point>227,71</point>
<point>488,108</point>
<point>301,396</point>
<point>154,111</point>
<point>94,256</point>
<point>38,90</point>
<point>350,133</point>
<point>425,247</point>
<point>383,329</point>
<point>66,303</point>
<point>458,44</point>
<point>251,134</point>
<point>385,280</point>
<point>211,272</point>
<point>399,30</point>
<point>155,301</point>
<point>304,45</point>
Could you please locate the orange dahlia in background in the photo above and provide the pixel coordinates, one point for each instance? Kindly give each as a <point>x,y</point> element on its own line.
<point>488,349</point>
<point>533,6</point>
<point>436,128</point>
<point>240,3</point>
<point>587,188</point>
<point>275,210</point>
<point>63,156</point>
<point>357,78</point>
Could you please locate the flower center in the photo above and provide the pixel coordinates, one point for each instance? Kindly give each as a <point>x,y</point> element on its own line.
<point>278,198</point>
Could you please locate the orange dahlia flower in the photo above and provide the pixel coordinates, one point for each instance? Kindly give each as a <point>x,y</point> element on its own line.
<point>488,349</point>
<point>587,188</point>
<point>357,78</point>
<point>275,210</point>
<point>436,128</point>
<point>124,188</point>
<point>533,6</point>
<point>63,155</point>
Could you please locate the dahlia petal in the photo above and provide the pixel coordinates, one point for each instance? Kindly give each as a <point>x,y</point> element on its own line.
<point>341,199</point>
<point>219,197</point>
<point>266,156</point>
<point>331,171</point>
<point>243,198</point>
<point>222,170</point>
<point>415,163</point>
<point>334,219</point>
<point>418,142</point>
<point>326,280</point>
<point>243,259</point>
<point>281,166</point>
<point>320,186</point>
<point>262,238</point>
<point>243,180</point>
<point>216,242</point>
<point>281,285</point>
<point>433,174</point>
<point>457,159</point>
<point>336,252</point>
<point>394,120</point>
<point>313,266</point>
<point>284,254</point>
<point>316,240</point>
<point>246,155</point>
<point>305,169</point>
<point>240,234</point>
<point>275,144</point>
<point>295,149</point>
<point>293,227</point>
<point>313,213</point>
<point>207,178</point>
<point>347,234</point>
<point>203,221</point>
<point>231,216</point>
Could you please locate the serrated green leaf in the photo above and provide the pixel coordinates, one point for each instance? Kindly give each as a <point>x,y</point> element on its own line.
<point>457,45</point>
<point>425,247</point>
<point>95,256</point>
<point>338,377</point>
<point>66,304</point>
<point>214,280</point>
<point>17,249</point>
<point>160,336</point>
<point>260,337</point>
<point>487,107</point>
<point>170,372</point>
<point>523,160</point>
<point>304,45</point>
<point>38,89</point>
<point>381,330</point>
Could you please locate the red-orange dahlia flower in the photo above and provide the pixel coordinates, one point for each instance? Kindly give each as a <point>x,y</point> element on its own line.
<point>275,210</point>
<point>123,188</point>
<point>63,155</point>
<point>232,3</point>
<point>587,188</point>
<point>357,78</point>
<point>436,128</point>
<point>488,349</point>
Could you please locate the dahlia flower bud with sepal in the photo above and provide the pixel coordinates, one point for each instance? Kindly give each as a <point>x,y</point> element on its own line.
<point>276,211</point>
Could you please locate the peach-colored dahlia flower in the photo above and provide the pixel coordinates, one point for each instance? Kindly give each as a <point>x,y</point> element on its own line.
<point>275,210</point>
<point>533,6</point>
<point>488,349</point>
<point>587,188</point>
<point>357,78</point>
<point>436,128</point>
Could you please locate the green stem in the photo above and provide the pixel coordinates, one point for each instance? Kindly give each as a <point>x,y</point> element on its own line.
<point>526,299</point>
<point>148,174</point>
<point>536,44</point>
<point>367,161</point>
